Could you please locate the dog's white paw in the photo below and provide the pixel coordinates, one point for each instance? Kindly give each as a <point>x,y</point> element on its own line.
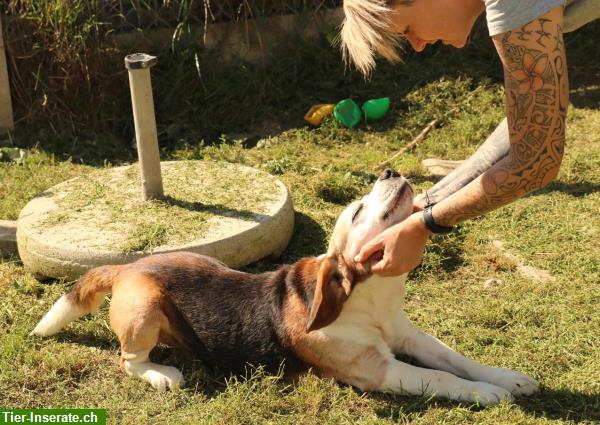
<point>163,378</point>
<point>516,382</point>
<point>486,394</point>
<point>160,377</point>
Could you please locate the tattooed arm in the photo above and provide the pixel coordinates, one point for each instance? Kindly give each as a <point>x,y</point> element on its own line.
<point>536,86</point>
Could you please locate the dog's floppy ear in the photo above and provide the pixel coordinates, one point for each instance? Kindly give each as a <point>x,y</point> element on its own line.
<point>333,287</point>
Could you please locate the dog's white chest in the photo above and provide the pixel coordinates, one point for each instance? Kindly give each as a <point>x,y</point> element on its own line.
<point>372,310</point>
<point>378,297</point>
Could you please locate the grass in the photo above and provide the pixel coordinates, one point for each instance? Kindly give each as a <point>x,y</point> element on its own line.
<point>548,329</point>
<point>199,198</point>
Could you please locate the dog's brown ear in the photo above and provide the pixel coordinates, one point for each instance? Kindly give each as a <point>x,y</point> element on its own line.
<point>332,289</point>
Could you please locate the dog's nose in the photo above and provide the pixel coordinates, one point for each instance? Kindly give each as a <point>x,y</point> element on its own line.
<point>388,173</point>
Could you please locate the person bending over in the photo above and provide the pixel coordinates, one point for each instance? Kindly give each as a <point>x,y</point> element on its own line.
<point>524,153</point>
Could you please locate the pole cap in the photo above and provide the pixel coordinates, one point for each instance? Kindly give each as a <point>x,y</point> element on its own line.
<point>140,61</point>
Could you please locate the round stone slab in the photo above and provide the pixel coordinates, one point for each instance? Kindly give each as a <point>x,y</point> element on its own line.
<point>231,212</point>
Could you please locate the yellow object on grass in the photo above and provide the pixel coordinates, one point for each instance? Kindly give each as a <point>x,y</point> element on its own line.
<point>317,113</point>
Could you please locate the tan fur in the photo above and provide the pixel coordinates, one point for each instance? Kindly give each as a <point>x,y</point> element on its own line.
<point>295,315</point>
<point>136,315</point>
<point>90,290</point>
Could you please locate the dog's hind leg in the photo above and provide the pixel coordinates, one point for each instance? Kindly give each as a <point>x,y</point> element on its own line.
<point>137,318</point>
<point>435,354</point>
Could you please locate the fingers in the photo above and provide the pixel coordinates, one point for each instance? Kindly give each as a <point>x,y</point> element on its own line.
<point>368,250</point>
<point>380,267</point>
<point>385,267</point>
<point>419,203</point>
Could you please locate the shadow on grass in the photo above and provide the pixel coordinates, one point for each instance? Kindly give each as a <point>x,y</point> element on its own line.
<point>442,254</point>
<point>586,97</point>
<point>422,178</point>
<point>584,68</point>
<point>567,405</point>
<point>309,239</point>
<point>574,189</point>
<point>557,405</point>
<point>88,339</point>
<point>215,209</point>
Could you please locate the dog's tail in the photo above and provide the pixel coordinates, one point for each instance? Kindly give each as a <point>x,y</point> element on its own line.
<point>86,296</point>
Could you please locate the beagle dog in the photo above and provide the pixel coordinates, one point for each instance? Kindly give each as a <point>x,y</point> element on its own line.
<point>327,314</point>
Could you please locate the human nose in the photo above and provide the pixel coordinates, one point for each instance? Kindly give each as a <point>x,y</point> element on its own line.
<point>416,43</point>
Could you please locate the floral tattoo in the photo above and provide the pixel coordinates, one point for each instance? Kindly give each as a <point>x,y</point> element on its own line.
<point>536,85</point>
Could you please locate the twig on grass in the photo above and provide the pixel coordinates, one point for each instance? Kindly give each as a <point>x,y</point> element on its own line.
<point>420,137</point>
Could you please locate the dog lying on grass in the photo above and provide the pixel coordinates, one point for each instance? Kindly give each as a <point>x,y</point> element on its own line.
<point>326,314</point>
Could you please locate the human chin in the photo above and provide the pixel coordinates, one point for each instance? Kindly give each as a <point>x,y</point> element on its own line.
<point>458,43</point>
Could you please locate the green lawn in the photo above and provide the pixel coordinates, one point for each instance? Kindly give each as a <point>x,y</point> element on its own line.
<point>547,328</point>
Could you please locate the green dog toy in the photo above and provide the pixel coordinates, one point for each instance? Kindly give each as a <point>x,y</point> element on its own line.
<point>348,113</point>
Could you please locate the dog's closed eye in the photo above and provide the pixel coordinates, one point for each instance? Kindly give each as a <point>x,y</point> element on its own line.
<point>356,212</point>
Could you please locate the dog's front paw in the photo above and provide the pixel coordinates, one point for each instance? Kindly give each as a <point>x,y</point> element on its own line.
<point>516,382</point>
<point>164,378</point>
<point>481,393</point>
<point>486,394</point>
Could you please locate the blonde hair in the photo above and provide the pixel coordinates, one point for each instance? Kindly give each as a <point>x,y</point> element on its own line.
<point>366,32</point>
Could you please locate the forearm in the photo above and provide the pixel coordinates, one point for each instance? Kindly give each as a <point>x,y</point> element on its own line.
<point>500,185</point>
<point>536,86</point>
<point>489,153</point>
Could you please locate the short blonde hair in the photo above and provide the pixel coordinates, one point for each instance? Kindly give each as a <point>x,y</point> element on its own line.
<point>367,31</point>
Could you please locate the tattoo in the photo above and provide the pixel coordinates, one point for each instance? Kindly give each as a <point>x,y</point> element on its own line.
<point>536,85</point>
<point>535,29</point>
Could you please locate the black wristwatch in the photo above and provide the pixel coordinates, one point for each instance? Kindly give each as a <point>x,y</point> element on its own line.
<point>431,224</point>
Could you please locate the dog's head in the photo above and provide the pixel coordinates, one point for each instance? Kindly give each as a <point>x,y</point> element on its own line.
<point>390,202</point>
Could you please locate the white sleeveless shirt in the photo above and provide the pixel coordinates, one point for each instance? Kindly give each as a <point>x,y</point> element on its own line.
<point>506,15</point>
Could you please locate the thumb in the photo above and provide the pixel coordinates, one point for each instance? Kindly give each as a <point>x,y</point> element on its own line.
<point>368,250</point>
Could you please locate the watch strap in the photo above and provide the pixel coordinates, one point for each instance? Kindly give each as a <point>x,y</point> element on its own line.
<point>430,222</point>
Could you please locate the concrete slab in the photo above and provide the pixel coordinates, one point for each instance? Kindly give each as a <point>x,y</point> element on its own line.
<point>231,212</point>
<point>440,167</point>
<point>8,237</point>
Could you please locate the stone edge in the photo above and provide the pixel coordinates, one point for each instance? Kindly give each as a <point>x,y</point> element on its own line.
<point>55,264</point>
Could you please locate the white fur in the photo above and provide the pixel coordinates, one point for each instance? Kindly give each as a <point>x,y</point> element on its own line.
<point>160,377</point>
<point>61,313</point>
<point>373,319</point>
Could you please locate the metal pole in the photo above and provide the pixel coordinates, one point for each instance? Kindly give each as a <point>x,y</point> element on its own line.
<point>138,65</point>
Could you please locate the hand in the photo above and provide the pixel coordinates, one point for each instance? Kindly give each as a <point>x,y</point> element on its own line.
<point>402,246</point>
<point>420,202</point>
